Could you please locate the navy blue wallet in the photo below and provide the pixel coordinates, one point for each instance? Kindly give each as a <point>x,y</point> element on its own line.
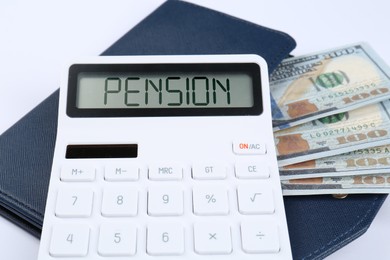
<point>318,225</point>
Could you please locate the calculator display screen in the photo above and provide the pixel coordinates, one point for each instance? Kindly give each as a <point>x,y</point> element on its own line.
<point>164,89</point>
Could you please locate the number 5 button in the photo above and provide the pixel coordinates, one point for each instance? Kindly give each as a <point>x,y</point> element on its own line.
<point>117,240</point>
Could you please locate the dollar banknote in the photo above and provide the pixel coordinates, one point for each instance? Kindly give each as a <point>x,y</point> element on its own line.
<point>360,162</point>
<point>364,127</point>
<point>326,83</point>
<point>378,183</point>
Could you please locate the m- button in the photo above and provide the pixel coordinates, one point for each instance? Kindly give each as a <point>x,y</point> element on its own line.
<point>249,147</point>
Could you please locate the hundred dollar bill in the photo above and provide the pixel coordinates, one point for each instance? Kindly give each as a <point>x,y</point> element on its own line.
<point>360,162</point>
<point>364,127</point>
<point>378,183</point>
<point>325,83</point>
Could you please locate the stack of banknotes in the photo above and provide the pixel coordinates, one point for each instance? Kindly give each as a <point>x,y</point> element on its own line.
<point>331,118</point>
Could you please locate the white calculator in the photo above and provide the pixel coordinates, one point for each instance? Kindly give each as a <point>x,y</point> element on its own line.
<point>165,157</point>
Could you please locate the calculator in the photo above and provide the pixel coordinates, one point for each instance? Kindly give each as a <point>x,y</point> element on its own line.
<point>165,157</point>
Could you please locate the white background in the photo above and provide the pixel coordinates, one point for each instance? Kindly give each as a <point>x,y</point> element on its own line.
<point>37,37</point>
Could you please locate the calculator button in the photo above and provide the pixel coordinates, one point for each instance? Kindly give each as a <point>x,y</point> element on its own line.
<point>255,199</point>
<point>259,237</point>
<point>208,171</point>
<point>210,200</point>
<point>163,201</point>
<point>120,202</point>
<point>165,172</point>
<point>74,203</point>
<point>121,173</point>
<point>212,238</point>
<point>69,240</point>
<point>165,239</point>
<point>252,170</point>
<point>117,240</point>
<point>249,147</point>
<point>69,173</point>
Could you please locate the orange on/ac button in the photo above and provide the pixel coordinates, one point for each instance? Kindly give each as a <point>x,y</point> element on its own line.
<point>245,147</point>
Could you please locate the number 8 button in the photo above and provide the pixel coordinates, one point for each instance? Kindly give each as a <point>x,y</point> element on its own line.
<point>120,202</point>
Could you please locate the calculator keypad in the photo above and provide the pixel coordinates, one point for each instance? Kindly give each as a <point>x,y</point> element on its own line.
<point>166,199</point>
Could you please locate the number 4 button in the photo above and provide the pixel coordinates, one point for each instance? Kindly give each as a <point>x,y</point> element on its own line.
<point>69,240</point>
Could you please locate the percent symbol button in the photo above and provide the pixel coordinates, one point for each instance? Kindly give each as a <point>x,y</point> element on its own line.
<point>210,200</point>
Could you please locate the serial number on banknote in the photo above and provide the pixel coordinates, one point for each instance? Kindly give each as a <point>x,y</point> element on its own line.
<point>374,150</point>
<point>349,92</point>
<point>343,130</point>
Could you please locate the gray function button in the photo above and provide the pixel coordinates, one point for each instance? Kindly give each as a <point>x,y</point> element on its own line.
<point>252,170</point>
<point>208,171</point>
<point>259,237</point>
<point>245,147</point>
<point>121,172</point>
<point>166,171</point>
<point>212,238</point>
<point>77,173</point>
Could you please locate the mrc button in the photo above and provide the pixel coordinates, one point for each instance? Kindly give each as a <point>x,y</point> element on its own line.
<point>244,147</point>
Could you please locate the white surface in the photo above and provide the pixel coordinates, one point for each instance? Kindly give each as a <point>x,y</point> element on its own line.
<point>38,36</point>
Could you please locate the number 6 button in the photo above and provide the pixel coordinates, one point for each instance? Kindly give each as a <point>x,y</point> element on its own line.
<point>165,239</point>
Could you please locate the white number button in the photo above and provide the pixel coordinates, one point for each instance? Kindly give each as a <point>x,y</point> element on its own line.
<point>165,172</point>
<point>208,171</point>
<point>212,238</point>
<point>165,239</point>
<point>69,173</point>
<point>167,201</point>
<point>121,173</point>
<point>252,170</point>
<point>117,240</point>
<point>120,202</point>
<point>69,240</point>
<point>259,237</point>
<point>74,203</point>
<point>210,200</point>
<point>255,199</point>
